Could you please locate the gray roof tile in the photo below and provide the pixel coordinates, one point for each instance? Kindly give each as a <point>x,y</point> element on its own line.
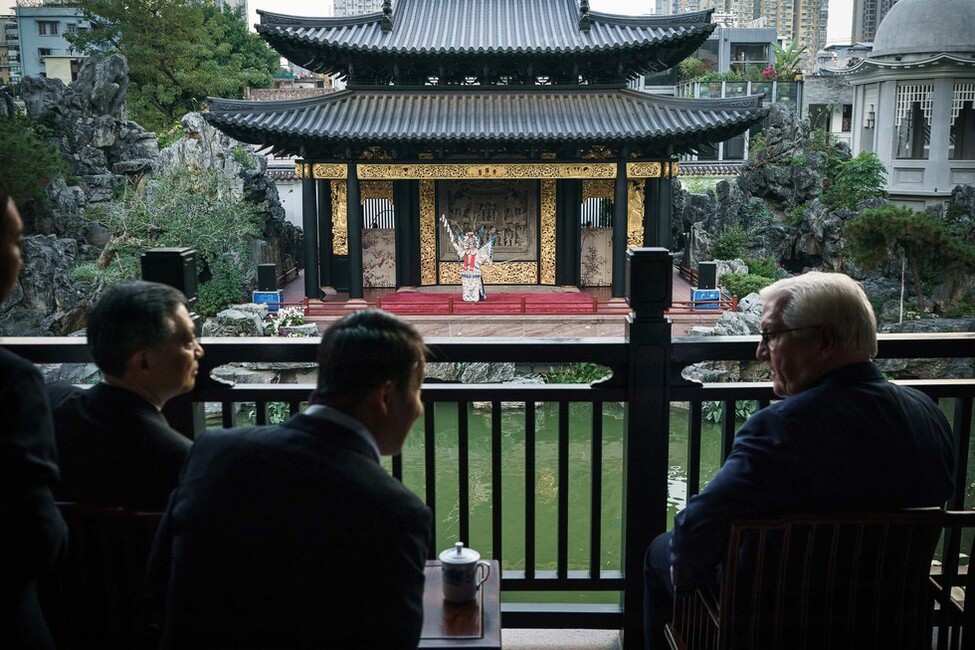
<point>480,114</point>
<point>430,27</point>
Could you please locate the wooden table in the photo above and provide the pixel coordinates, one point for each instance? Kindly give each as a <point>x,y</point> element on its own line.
<point>476,624</point>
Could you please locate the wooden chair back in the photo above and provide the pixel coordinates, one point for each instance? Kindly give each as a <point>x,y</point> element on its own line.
<point>818,581</point>
<point>97,599</point>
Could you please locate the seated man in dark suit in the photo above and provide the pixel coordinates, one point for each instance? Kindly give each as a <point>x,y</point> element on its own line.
<point>114,444</point>
<point>843,438</point>
<point>294,536</point>
<point>33,536</point>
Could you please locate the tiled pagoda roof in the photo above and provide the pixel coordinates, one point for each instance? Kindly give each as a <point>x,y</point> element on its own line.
<point>438,116</point>
<point>485,28</point>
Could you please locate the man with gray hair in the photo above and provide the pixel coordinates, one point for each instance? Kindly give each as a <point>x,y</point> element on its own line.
<point>115,447</point>
<point>843,438</point>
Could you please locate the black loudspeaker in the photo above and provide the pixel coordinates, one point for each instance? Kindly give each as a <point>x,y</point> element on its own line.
<point>173,266</point>
<point>267,277</point>
<point>707,275</point>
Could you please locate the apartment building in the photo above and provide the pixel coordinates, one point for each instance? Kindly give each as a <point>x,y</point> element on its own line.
<point>354,7</point>
<point>867,15</point>
<point>10,69</point>
<point>44,50</point>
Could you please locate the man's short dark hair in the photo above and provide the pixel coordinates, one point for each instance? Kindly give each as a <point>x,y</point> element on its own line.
<point>131,315</point>
<point>364,349</point>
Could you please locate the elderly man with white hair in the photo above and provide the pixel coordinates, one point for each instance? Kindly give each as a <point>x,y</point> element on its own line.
<point>843,438</point>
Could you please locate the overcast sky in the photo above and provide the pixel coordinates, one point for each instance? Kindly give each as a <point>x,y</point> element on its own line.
<point>840,11</point>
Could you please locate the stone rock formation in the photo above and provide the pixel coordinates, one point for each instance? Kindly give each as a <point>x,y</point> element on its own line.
<point>45,302</point>
<point>105,150</point>
<point>204,147</point>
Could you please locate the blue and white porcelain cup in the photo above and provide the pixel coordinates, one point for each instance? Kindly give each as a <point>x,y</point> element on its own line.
<point>463,573</point>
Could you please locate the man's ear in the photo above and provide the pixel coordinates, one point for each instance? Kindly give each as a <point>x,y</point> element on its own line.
<point>139,361</point>
<point>829,339</point>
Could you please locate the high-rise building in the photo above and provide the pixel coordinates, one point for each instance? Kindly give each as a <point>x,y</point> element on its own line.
<point>10,69</point>
<point>355,7</point>
<point>867,15</point>
<point>745,10</point>
<point>803,21</point>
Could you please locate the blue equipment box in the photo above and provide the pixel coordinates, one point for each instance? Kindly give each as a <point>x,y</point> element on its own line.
<point>706,299</point>
<point>269,298</point>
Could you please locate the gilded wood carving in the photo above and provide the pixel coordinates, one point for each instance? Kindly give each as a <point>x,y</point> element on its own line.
<point>340,222</point>
<point>428,234</point>
<point>369,171</point>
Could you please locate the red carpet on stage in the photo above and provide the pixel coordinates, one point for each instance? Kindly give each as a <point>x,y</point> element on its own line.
<point>437,304</point>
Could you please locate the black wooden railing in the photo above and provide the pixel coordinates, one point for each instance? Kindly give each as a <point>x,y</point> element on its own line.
<point>646,380</point>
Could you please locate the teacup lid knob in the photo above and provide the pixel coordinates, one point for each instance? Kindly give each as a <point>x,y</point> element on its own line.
<point>459,554</point>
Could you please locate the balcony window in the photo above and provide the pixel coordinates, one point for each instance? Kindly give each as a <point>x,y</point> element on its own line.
<point>912,123</point>
<point>48,28</point>
<point>961,145</point>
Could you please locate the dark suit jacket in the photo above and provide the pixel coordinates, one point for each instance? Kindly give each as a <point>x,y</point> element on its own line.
<point>115,448</point>
<point>854,441</point>
<point>291,536</point>
<point>32,533</point>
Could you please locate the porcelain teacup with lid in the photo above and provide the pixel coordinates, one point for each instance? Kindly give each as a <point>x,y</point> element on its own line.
<point>463,573</point>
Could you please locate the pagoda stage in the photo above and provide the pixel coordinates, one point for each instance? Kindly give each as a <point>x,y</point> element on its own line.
<point>510,310</point>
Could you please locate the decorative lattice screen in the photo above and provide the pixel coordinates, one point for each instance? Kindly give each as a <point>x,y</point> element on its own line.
<point>963,93</point>
<point>908,95</point>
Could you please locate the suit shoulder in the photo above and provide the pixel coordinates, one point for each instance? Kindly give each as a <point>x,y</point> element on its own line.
<point>12,365</point>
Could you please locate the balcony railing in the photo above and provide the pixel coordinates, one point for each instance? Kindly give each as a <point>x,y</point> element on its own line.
<point>588,466</point>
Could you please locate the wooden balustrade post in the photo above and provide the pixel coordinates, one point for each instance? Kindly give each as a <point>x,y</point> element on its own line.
<point>646,424</point>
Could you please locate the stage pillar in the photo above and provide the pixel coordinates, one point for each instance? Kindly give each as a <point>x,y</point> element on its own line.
<point>325,233</point>
<point>620,211</point>
<point>354,215</point>
<point>406,203</point>
<point>309,224</point>
<point>568,231</point>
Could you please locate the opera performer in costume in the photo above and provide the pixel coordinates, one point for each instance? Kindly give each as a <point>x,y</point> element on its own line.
<point>473,249</point>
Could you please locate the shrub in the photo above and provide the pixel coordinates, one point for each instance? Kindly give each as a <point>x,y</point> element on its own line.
<point>181,208</point>
<point>286,317</point>
<point>27,161</point>
<point>856,180</point>
<point>742,284</point>
<point>764,266</point>
<point>730,244</point>
<point>796,214</point>
<point>576,373</point>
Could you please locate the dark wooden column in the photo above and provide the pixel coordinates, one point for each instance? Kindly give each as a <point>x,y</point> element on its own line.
<point>325,233</point>
<point>620,209</point>
<point>665,206</point>
<point>568,231</point>
<point>309,224</point>
<point>354,218</point>
<point>646,424</point>
<point>658,208</point>
<point>651,224</point>
<point>406,200</point>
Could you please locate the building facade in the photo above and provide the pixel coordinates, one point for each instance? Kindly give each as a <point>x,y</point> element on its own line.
<point>867,15</point>
<point>913,99</point>
<point>10,68</point>
<point>356,7</point>
<point>508,123</point>
<point>42,31</point>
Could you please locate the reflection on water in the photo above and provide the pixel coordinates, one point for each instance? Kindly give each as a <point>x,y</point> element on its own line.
<point>544,482</point>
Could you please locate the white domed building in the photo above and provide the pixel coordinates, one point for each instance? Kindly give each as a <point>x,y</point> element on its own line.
<point>914,96</point>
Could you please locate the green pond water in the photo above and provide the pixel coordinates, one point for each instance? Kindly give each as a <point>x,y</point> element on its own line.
<point>544,484</point>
